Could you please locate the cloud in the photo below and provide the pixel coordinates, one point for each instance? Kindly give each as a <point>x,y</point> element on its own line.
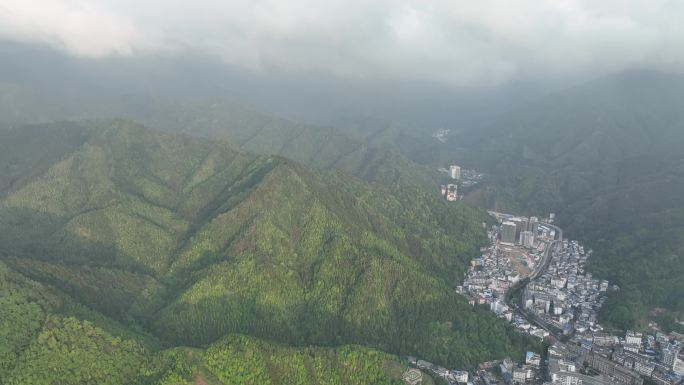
<point>82,28</point>
<point>457,41</point>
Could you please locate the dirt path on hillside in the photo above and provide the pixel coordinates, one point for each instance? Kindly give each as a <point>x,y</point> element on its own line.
<point>200,380</point>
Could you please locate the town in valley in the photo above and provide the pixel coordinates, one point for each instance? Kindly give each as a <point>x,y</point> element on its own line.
<point>537,280</point>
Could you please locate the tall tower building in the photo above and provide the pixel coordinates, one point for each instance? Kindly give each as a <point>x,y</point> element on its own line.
<point>508,232</point>
<point>533,225</point>
<point>455,172</point>
<point>527,239</point>
<point>525,224</point>
<point>520,226</point>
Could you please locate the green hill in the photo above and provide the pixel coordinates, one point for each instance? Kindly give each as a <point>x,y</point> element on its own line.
<point>49,338</point>
<point>607,158</point>
<point>238,359</point>
<point>190,240</point>
<point>318,147</point>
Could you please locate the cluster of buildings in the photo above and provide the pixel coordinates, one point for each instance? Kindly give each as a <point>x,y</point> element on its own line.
<point>470,178</point>
<point>565,296</point>
<point>452,377</point>
<point>488,278</point>
<point>656,356</point>
<point>606,359</point>
<point>442,135</point>
<point>524,231</point>
<point>450,192</point>
<point>508,372</point>
<point>459,176</point>
<point>562,300</point>
<point>500,267</point>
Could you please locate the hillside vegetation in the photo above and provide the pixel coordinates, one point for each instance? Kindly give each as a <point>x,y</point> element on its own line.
<point>190,240</point>
<point>323,148</point>
<point>49,338</point>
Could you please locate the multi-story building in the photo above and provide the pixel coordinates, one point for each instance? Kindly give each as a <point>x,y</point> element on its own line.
<point>605,339</point>
<point>679,367</point>
<point>455,171</point>
<point>508,232</point>
<point>633,338</point>
<point>452,192</point>
<point>603,365</point>
<point>563,372</point>
<point>644,367</point>
<point>527,239</point>
<point>523,224</point>
<point>533,225</point>
<point>532,358</point>
<point>519,375</point>
<point>670,353</point>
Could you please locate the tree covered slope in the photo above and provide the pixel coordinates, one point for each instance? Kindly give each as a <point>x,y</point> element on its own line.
<point>220,119</point>
<point>319,147</point>
<point>50,338</point>
<point>190,240</point>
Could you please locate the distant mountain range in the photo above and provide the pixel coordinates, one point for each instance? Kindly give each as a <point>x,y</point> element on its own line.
<point>219,222</point>
<point>319,147</point>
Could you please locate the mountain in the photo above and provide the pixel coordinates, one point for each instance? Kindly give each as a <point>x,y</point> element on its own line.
<point>189,240</point>
<point>50,338</point>
<point>217,118</point>
<point>608,158</point>
<point>324,148</point>
<point>43,334</point>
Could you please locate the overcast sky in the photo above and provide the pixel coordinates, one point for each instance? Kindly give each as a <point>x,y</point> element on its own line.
<point>463,42</point>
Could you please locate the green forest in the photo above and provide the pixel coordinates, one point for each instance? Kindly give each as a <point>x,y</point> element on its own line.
<point>125,240</point>
<point>48,338</point>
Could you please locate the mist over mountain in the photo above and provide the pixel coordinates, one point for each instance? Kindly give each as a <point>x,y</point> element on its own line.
<point>360,108</point>
<point>607,157</point>
<point>248,192</point>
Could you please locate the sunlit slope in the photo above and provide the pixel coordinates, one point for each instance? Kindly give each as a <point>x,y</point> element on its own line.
<point>192,240</point>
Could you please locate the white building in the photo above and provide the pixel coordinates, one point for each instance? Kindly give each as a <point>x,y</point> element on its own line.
<point>519,376</point>
<point>679,367</point>
<point>455,171</point>
<point>452,192</point>
<point>565,379</point>
<point>460,376</point>
<point>532,358</point>
<point>633,338</point>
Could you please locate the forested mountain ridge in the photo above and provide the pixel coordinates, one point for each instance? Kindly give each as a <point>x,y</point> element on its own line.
<point>191,240</point>
<point>320,147</point>
<point>50,338</point>
<point>607,158</point>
